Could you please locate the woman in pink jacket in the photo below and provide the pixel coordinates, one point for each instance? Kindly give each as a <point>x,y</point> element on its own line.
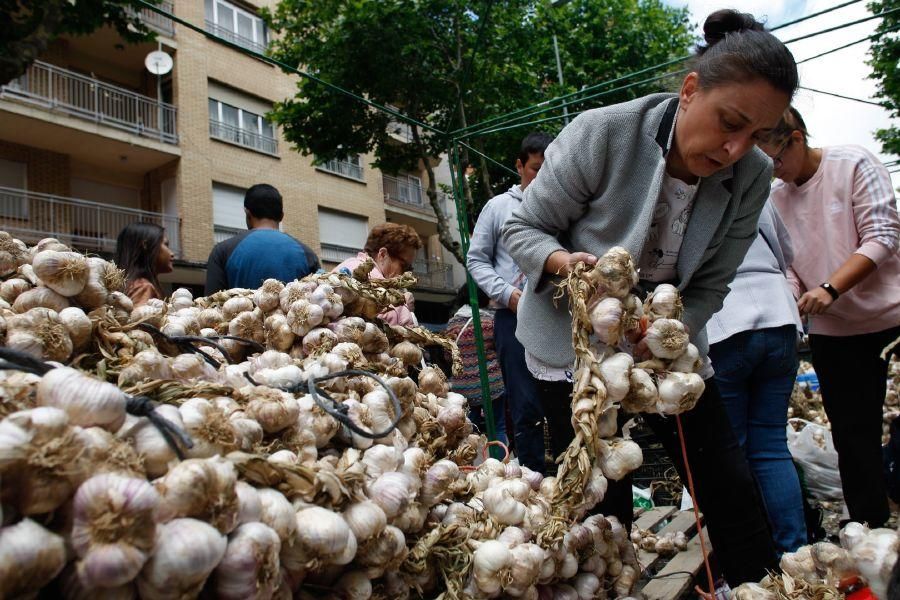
<point>839,207</point>
<point>392,247</point>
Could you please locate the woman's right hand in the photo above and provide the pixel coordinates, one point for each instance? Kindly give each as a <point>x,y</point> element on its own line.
<point>562,262</point>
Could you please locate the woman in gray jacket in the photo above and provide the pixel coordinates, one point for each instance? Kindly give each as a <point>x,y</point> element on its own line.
<point>678,182</point>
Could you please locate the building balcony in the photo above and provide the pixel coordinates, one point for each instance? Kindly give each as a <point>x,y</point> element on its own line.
<point>334,253</point>
<point>222,233</point>
<point>433,275</point>
<point>155,21</point>
<point>344,169</point>
<point>82,224</point>
<point>60,90</point>
<point>235,38</point>
<point>224,132</point>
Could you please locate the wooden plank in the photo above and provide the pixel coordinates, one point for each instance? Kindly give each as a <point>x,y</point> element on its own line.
<point>683,521</point>
<point>654,517</point>
<point>669,583</point>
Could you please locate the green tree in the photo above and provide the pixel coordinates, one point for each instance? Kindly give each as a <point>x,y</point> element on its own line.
<point>28,27</point>
<point>885,63</point>
<point>450,63</point>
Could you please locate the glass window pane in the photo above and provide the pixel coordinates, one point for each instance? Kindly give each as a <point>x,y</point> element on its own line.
<point>213,109</point>
<point>261,37</point>
<point>267,129</point>
<point>353,160</point>
<point>245,26</point>
<point>230,115</point>
<point>208,6</point>
<point>226,17</point>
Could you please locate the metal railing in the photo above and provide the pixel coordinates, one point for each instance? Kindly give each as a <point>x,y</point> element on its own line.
<point>336,253</point>
<point>154,20</point>
<point>433,274</point>
<point>343,167</point>
<point>405,192</point>
<point>83,224</point>
<point>234,38</point>
<point>58,89</point>
<point>242,137</point>
<point>222,233</point>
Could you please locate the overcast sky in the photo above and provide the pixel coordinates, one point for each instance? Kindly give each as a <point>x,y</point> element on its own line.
<point>830,120</point>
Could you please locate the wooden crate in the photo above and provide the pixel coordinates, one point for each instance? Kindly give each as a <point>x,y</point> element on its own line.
<point>668,578</point>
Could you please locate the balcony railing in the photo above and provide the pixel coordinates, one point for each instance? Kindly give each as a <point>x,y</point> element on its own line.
<point>156,21</point>
<point>433,274</point>
<point>83,224</point>
<point>336,253</point>
<point>344,168</point>
<point>57,89</point>
<point>222,233</point>
<point>235,38</point>
<point>243,137</point>
<point>405,192</point>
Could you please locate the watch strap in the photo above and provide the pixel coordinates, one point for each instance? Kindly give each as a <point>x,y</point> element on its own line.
<point>831,290</point>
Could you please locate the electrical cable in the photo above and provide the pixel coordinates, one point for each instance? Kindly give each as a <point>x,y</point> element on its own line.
<point>809,89</point>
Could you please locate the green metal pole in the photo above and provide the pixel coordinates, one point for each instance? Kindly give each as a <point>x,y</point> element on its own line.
<point>457,177</point>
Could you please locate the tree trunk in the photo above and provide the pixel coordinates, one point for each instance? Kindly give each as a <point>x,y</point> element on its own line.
<point>485,174</point>
<point>444,230</point>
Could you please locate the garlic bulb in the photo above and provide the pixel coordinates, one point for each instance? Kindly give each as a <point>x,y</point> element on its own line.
<point>273,409</point>
<point>319,340</point>
<point>491,561</point>
<point>294,291</point>
<point>664,302</point>
<point>278,333</point>
<point>122,306</point>
<point>250,567</point>
<point>666,338</point>
<point>13,288</point>
<point>800,564</point>
<point>852,534</point>
<point>643,395</point>
<point>113,529</point>
<point>42,297</point>
<point>688,362</point>
<point>249,504</point>
<point>500,503</point>
<point>40,333</point>
<point>303,316</point>
<point>433,381</point>
<point>679,392</point>
<point>66,273</point>
<point>373,339</point>
<point>30,556</point>
<point>437,480</point>
<point>267,296</point>
<point>88,402</point>
<point>149,442</point>
<point>616,373</point>
<point>209,428</point>
<point>391,491</point>
<point>409,353</point>
<point>78,325</point>
<point>277,513</point>
<point>248,325</point>
<point>11,254</point>
<point>615,272</point>
<point>619,458</point>
<point>354,585</point>
<point>607,320</point>
<point>753,591</point>
<point>146,365</point>
<point>322,534</point>
<point>234,306</point>
<point>186,552</point>
<point>349,329</point>
<point>365,519</point>
<point>103,279</point>
<point>203,489</point>
<point>875,556</point>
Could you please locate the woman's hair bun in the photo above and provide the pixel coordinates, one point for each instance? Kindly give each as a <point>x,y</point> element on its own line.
<point>725,21</point>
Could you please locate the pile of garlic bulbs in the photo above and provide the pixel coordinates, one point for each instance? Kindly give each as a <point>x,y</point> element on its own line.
<point>871,554</point>
<point>666,544</point>
<point>281,494</point>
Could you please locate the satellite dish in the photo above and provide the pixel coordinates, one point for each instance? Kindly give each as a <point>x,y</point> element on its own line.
<point>158,62</point>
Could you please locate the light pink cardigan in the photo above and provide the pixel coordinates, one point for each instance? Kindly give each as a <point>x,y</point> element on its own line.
<point>847,207</point>
<point>397,315</point>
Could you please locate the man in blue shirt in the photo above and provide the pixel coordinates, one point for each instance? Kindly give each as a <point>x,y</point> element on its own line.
<point>263,252</point>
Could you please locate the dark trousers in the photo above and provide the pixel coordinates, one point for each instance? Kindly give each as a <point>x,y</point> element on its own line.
<point>521,393</point>
<point>726,491</point>
<point>853,381</point>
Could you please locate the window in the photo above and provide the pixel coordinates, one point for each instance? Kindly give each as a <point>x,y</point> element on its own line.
<point>242,127</point>
<point>228,211</point>
<point>405,189</point>
<point>341,235</point>
<point>13,194</point>
<point>352,167</point>
<point>236,25</point>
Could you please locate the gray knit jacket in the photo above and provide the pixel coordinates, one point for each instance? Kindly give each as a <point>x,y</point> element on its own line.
<point>598,188</point>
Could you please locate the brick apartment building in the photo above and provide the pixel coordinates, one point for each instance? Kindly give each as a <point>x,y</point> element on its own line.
<point>90,141</point>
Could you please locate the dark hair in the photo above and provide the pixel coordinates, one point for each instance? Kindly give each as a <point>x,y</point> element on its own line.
<point>790,121</point>
<point>739,48</point>
<point>264,202</point>
<point>394,236</point>
<point>137,248</point>
<point>535,142</point>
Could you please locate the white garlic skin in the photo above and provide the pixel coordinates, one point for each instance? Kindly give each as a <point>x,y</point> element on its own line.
<point>620,458</point>
<point>66,273</point>
<point>250,567</point>
<point>277,513</point>
<point>30,556</point>
<point>203,489</point>
<point>88,402</point>
<point>186,552</point>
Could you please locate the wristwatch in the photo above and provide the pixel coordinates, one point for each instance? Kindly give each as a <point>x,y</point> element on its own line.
<point>832,291</point>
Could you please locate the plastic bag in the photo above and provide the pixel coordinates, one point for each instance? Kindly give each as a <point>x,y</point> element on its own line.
<point>641,498</point>
<point>813,451</point>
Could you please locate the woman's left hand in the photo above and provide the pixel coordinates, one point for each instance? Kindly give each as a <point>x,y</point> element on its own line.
<point>814,302</point>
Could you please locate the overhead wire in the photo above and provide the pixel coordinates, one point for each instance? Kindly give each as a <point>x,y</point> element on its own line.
<point>836,95</point>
